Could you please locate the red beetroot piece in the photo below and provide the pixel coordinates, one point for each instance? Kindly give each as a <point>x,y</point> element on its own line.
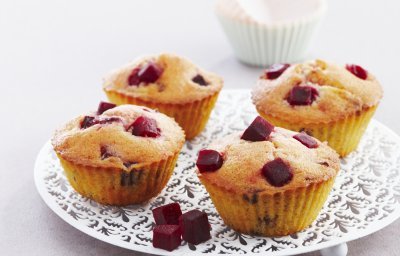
<point>199,79</point>
<point>195,227</point>
<point>145,127</point>
<point>167,237</point>
<point>133,78</point>
<point>209,160</point>
<point>277,172</point>
<point>302,95</point>
<point>275,70</point>
<point>258,130</point>
<point>358,71</point>
<point>87,122</point>
<point>104,106</point>
<point>150,73</point>
<point>306,140</point>
<point>90,121</point>
<point>167,214</point>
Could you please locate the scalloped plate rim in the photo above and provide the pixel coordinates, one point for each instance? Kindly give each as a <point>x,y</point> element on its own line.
<point>145,249</point>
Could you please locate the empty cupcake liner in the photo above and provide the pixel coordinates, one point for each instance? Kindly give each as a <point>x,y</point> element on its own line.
<point>263,44</point>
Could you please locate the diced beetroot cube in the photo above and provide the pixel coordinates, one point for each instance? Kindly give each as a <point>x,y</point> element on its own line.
<point>358,71</point>
<point>276,70</point>
<point>150,73</point>
<point>277,172</point>
<point>209,160</point>
<point>258,130</point>
<point>104,106</point>
<point>302,95</point>
<point>87,121</point>
<point>145,127</point>
<point>133,78</point>
<point>167,237</point>
<point>195,227</point>
<point>199,79</point>
<point>167,214</point>
<point>306,140</point>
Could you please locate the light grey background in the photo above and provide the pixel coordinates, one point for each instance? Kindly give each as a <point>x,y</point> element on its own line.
<point>53,54</point>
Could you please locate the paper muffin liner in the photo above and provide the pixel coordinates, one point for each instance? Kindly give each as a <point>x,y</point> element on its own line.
<point>192,116</point>
<point>342,135</point>
<point>263,44</point>
<point>264,214</point>
<point>116,186</point>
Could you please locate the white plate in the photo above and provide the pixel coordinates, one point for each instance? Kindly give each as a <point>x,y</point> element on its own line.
<point>365,197</point>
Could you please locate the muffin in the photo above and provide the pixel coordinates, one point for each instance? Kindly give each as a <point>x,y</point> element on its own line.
<point>270,31</point>
<point>268,181</point>
<point>329,102</point>
<point>119,155</point>
<point>169,83</point>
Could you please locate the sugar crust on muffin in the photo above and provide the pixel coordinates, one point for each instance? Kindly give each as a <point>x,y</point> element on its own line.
<point>87,146</point>
<point>243,161</point>
<point>340,93</point>
<point>175,84</point>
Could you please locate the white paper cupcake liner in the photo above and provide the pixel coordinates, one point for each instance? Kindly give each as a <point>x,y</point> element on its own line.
<point>263,44</point>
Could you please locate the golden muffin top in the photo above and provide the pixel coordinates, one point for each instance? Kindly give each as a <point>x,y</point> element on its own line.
<point>123,137</point>
<point>266,159</point>
<point>315,91</point>
<point>165,78</point>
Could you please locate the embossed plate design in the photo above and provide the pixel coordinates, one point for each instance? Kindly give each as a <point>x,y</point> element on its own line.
<point>365,197</point>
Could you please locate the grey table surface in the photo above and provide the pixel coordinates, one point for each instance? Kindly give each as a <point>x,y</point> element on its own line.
<point>53,55</point>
